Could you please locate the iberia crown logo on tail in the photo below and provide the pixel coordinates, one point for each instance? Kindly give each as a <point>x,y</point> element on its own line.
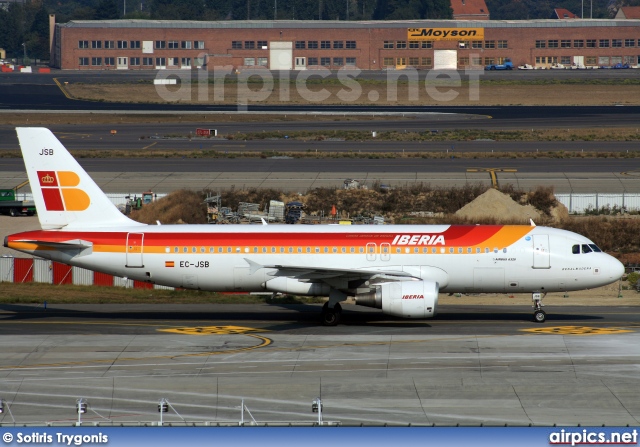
<point>60,193</point>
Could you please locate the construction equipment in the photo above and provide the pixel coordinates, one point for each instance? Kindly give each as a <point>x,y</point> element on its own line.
<point>10,205</point>
<point>293,212</point>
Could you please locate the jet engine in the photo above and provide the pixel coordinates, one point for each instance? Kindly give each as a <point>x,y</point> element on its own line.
<point>406,299</point>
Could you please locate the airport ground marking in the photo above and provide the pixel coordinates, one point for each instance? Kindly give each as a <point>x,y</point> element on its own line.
<point>577,330</point>
<point>212,330</point>
<point>63,90</point>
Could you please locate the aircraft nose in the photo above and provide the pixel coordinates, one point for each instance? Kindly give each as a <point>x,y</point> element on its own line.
<point>616,269</point>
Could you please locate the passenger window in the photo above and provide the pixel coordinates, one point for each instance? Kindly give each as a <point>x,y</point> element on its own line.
<point>575,249</point>
<point>586,248</point>
<point>175,249</point>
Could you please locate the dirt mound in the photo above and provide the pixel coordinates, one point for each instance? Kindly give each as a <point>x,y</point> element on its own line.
<point>494,204</point>
<point>176,208</point>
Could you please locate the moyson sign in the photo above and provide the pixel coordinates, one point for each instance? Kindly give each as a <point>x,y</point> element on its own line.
<point>445,33</point>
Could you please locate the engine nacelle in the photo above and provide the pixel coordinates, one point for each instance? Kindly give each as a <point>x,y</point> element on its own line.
<point>407,299</point>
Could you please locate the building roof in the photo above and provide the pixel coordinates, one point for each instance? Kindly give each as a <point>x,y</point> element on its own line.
<point>469,8</point>
<point>561,13</point>
<point>628,12</point>
<point>333,24</point>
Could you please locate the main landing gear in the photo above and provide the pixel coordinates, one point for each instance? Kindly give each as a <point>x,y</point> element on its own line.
<point>331,316</point>
<point>539,315</point>
<point>332,310</point>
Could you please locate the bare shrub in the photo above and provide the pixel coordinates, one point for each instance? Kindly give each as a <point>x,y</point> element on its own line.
<point>181,206</point>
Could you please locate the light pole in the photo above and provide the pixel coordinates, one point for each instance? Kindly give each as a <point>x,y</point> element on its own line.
<point>24,50</point>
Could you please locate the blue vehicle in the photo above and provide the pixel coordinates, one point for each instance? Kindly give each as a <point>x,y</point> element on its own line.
<point>506,65</point>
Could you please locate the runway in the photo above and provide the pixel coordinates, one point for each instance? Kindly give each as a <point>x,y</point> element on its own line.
<point>469,365</point>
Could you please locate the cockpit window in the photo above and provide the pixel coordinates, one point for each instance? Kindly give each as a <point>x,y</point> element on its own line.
<point>595,248</point>
<point>575,249</point>
<point>586,248</point>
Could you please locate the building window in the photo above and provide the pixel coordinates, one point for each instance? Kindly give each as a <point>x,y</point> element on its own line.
<point>603,61</point>
<point>616,43</point>
<point>338,44</point>
<point>351,61</point>
<point>161,62</point>
<point>161,44</point>
<point>603,43</point>
<point>413,61</point>
<point>147,61</point>
<point>312,61</point>
<point>591,43</point>
<point>173,45</point>
<point>83,44</point>
<point>476,61</point>
<point>83,61</point>
<point>236,45</point>
<point>553,44</point>
<point>312,44</point>
<point>96,44</point>
<point>109,44</point>
<point>249,45</point>
<point>489,60</point>
<point>338,61</point>
<point>198,44</point>
<point>490,44</point>
<point>388,44</point>
<point>414,44</point>
<point>134,61</point>
<point>578,43</point>
<point>249,61</point>
<point>122,44</point>
<point>387,61</point>
<point>590,60</point>
<point>476,44</point>
<point>351,44</point>
<point>96,61</point>
<point>262,61</point>
<point>134,44</point>
<point>565,43</point>
<point>629,42</point>
<point>541,43</point>
<point>565,60</point>
<point>401,61</point>
<point>463,62</point>
<point>300,44</point>
<point>464,44</point>
<point>262,44</point>
<point>401,44</point>
<point>173,61</point>
<point>615,60</point>
<point>503,44</point>
<point>426,44</point>
<point>185,44</point>
<point>325,44</point>
<point>109,61</point>
<point>325,61</point>
<point>630,60</point>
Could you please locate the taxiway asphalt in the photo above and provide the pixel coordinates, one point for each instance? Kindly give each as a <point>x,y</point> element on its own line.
<point>469,365</point>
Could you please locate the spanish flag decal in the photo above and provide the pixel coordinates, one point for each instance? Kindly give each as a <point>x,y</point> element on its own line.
<point>169,264</point>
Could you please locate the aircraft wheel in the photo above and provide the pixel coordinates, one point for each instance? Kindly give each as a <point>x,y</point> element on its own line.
<point>539,316</point>
<point>331,317</point>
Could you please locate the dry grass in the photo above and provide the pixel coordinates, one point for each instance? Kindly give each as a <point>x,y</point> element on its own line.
<point>502,95</point>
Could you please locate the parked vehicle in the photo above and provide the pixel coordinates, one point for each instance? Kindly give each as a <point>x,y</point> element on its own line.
<point>9,205</point>
<point>506,65</point>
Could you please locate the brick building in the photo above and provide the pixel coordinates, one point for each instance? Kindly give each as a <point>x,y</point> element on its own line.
<point>300,45</point>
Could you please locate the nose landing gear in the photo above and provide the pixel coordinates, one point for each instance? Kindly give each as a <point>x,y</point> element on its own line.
<point>539,315</point>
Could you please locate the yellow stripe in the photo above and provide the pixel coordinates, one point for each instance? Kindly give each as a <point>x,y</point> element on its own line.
<point>63,90</point>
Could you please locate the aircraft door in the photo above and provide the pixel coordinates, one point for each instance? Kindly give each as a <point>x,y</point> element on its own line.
<point>541,253</point>
<point>134,249</point>
<point>385,251</point>
<point>371,251</point>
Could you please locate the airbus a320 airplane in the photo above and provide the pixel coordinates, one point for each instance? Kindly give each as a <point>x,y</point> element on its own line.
<point>399,269</point>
